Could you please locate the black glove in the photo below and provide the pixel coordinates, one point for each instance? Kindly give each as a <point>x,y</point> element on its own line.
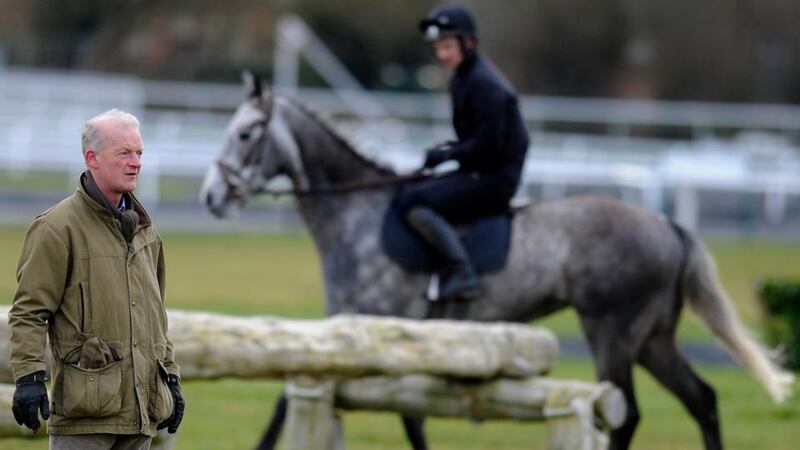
<point>178,405</point>
<point>437,155</point>
<point>30,397</point>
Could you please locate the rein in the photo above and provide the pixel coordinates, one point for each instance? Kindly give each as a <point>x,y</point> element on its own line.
<point>344,188</point>
<point>240,185</point>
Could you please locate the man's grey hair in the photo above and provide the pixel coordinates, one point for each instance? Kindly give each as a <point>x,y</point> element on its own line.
<point>90,134</point>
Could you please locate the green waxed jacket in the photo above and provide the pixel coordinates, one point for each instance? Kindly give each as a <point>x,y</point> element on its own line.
<point>78,278</point>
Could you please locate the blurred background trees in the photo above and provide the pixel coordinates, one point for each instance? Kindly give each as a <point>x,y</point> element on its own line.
<point>736,50</point>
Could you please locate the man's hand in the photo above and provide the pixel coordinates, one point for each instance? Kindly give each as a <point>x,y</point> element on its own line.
<point>30,398</point>
<point>178,405</point>
<point>437,155</point>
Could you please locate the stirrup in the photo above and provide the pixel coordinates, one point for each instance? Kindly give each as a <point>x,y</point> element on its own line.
<point>432,292</point>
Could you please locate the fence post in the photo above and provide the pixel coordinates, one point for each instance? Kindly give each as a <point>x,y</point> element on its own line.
<point>311,423</point>
<point>570,433</point>
<point>571,420</point>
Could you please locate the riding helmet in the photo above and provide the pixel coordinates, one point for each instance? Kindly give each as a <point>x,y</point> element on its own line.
<point>448,20</point>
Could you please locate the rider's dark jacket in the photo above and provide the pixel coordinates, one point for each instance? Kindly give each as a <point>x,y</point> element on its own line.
<point>491,147</point>
<point>491,132</point>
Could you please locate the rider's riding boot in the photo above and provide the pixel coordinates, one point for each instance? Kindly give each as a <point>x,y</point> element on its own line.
<point>459,277</point>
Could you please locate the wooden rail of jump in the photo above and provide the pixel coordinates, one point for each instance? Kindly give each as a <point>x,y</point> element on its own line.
<point>433,368</point>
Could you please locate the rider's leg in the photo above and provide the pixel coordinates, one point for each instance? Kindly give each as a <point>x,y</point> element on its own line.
<point>460,279</point>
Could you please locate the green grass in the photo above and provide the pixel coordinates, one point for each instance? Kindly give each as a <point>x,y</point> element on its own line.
<point>230,414</point>
<point>278,274</point>
<point>204,274</point>
<point>244,274</point>
<point>23,181</point>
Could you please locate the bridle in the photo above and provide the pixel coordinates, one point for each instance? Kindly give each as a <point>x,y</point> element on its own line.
<point>243,187</point>
<point>238,185</point>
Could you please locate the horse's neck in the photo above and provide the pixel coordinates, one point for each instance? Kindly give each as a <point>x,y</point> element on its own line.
<point>337,218</point>
<point>328,160</point>
<point>345,226</point>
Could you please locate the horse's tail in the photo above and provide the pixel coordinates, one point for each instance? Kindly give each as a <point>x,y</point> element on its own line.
<point>708,299</point>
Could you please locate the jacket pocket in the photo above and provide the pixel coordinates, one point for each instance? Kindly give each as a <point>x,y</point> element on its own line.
<point>84,308</point>
<point>159,407</point>
<point>92,392</point>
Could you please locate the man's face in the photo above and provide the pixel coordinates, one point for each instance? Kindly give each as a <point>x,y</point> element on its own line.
<point>116,165</point>
<point>448,52</point>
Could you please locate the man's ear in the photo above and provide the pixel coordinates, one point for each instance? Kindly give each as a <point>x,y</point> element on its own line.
<point>90,157</point>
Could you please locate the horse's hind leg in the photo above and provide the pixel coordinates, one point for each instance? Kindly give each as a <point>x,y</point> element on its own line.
<point>614,363</point>
<point>414,432</point>
<point>661,358</point>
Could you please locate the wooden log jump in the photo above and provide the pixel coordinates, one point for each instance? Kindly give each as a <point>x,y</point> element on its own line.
<point>211,346</point>
<point>432,368</point>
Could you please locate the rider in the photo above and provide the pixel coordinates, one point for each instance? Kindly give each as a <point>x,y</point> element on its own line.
<point>491,146</point>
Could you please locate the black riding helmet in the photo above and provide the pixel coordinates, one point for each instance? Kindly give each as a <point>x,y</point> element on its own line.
<point>448,20</point>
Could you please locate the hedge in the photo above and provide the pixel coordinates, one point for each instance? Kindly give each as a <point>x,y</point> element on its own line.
<point>781,301</point>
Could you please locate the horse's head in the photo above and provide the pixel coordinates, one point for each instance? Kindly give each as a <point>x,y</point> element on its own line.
<point>271,135</point>
<point>250,156</point>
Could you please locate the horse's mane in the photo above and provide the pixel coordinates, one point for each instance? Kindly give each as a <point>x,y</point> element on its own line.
<point>337,136</point>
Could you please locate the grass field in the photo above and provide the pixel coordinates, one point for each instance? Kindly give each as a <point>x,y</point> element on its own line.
<point>279,275</point>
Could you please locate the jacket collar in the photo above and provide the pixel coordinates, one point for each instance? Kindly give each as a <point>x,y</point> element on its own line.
<point>467,63</point>
<point>102,206</point>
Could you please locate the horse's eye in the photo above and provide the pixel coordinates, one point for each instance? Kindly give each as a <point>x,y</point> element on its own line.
<point>244,135</point>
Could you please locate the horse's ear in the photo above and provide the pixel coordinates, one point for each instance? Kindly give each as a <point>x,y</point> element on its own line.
<point>252,84</point>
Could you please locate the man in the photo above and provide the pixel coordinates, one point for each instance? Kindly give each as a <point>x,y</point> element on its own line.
<point>91,277</point>
<point>491,146</point>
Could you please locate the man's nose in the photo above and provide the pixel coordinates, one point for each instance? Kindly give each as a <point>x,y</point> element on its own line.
<point>135,160</point>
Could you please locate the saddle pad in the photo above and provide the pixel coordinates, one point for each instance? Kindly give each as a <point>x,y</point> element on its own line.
<point>486,241</point>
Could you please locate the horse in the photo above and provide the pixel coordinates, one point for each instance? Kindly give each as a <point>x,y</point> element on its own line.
<point>626,271</point>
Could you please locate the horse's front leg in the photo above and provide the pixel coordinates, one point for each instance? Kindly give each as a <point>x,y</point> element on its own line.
<point>415,432</point>
<point>270,439</point>
<point>413,427</point>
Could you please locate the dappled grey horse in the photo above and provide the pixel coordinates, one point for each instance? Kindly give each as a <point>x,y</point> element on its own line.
<point>626,271</point>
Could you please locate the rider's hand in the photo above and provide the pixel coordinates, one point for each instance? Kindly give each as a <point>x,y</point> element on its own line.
<point>30,398</point>
<point>437,155</point>
<point>174,420</point>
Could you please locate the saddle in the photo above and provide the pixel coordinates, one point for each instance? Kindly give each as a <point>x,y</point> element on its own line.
<point>487,241</point>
